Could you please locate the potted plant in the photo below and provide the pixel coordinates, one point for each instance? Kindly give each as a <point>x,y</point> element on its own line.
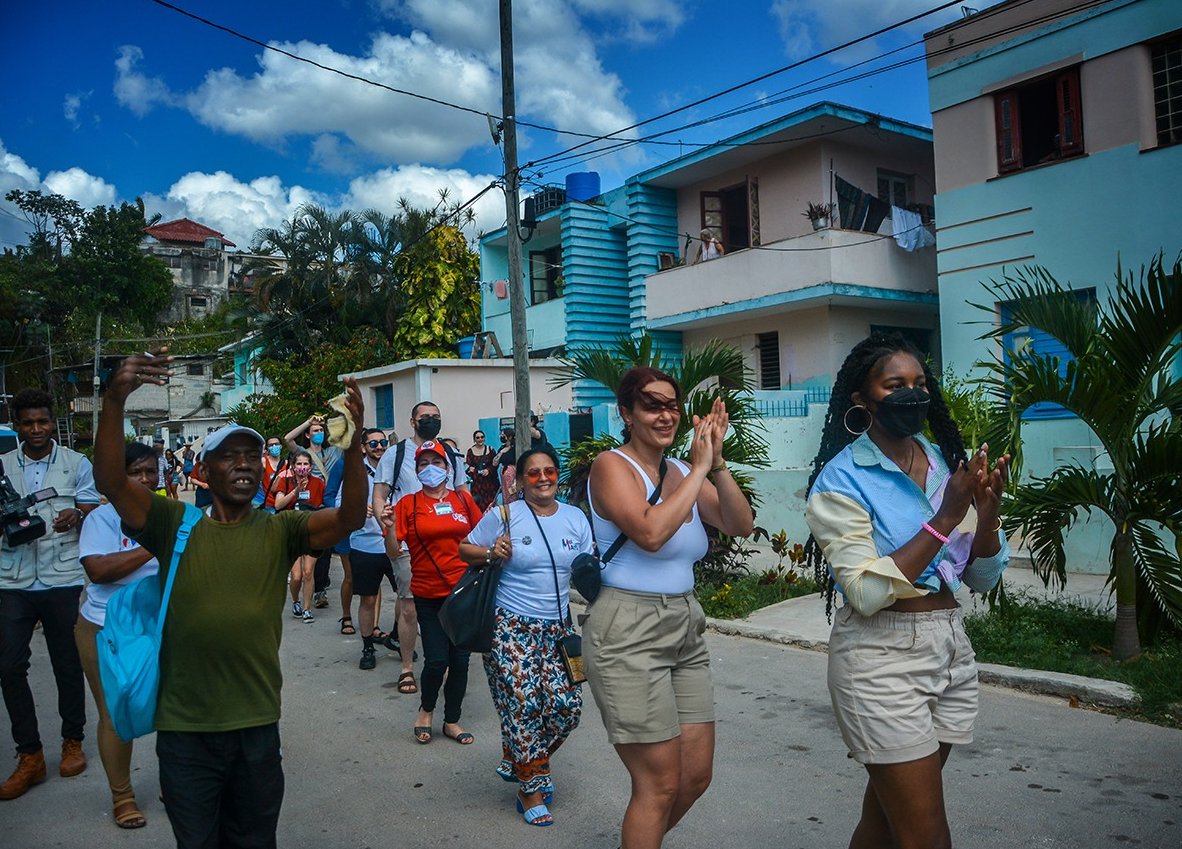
<point>818,214</point>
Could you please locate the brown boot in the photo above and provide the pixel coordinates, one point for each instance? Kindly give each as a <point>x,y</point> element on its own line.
<point>30,770</point>
<point>73,760</point>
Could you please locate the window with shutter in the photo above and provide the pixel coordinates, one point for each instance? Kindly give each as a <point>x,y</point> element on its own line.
<point>768,345</point>
<point>1039,122</point>
<point>1167,90</point>
<point>1033,342</point>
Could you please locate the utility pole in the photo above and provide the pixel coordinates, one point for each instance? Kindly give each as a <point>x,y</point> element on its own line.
<point>98,332</point>
<point>513,234</point>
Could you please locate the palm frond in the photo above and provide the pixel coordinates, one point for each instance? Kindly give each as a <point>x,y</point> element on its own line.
<point>1036,299</point>
<point>1159,570</point>
<point>1139,328</point>
<point>715,361</point>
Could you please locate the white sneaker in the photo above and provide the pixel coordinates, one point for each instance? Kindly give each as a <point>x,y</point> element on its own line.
<point>297,609</point>
<point>308,617</point>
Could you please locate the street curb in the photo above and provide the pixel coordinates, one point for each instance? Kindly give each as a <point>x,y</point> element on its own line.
<point>1094,691</point>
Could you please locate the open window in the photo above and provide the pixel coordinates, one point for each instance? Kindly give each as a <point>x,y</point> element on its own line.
<point>728,213</point>
<point>1039,122</point>
<point>545,275</point>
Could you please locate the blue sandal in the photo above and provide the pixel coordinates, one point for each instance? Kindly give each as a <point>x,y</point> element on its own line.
<point>535,815</point>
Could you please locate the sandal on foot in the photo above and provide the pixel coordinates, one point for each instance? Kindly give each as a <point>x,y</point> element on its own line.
<point>128,815</point>
<point>423,734</point>
<point>538,815</point>
<point>378,635</point>
<point>463,738</point>
<point>347,625</point>
<point>407,683</point>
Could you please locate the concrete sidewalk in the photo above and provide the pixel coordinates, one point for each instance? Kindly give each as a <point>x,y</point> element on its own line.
<point>801,622</point>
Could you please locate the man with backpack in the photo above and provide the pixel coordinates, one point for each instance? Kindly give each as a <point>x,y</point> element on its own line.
<point>217,716</point>
<point>395,477</point>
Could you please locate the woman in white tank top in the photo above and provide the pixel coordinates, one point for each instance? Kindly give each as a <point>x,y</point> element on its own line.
<point>645,655</point>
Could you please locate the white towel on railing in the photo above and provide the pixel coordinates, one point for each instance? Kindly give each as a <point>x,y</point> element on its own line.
<point>909,230</point>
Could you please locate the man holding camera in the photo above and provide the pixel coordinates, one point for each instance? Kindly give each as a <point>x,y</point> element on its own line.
<point>41,579</point>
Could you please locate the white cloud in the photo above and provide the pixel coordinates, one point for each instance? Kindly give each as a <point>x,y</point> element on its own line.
<point>810,26</point>
<point>72,105</point>
<point>288,98</point>
<point>229,205</point>
<point>138,92</point>
<point>420,185</point>
<point>642,20</point>
<point>85,188</point>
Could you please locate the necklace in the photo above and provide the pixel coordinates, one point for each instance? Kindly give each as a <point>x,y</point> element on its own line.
<point>912,463</point>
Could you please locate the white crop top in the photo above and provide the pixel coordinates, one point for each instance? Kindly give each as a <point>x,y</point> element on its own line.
<point>668,570</point>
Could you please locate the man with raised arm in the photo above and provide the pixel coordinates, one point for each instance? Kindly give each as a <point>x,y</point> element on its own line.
<point>217,717</point>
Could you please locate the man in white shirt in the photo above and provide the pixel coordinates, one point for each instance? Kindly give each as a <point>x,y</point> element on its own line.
<point>41,581</point>
<point>395,478</point>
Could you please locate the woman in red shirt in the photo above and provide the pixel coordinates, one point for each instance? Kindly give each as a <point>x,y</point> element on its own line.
<point>301,491</point>
<point>432,523</point>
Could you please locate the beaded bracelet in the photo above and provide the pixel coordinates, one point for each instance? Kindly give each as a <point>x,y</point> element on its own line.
<point>935,533</point>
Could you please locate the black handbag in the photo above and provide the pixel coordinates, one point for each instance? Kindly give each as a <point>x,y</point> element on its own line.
<point>585,569</point>
<point>469,613</point>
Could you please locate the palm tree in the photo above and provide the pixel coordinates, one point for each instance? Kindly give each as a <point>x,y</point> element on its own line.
<point>1119,383</point>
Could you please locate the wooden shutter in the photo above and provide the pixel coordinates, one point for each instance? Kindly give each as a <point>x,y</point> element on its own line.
<point>712,216</point>
<point>1070,114</point>
<point>1009,132</point>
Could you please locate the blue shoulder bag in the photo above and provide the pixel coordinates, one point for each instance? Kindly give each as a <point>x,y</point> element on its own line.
<point>129,644</point>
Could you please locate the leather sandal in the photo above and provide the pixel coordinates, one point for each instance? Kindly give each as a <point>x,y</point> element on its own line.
<point>407,684</point>
<point>347,625</point>
<point>128,815</point>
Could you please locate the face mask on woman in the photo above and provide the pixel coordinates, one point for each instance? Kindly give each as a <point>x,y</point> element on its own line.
<point>904,411</point>
<point>432,476</point>
<point>302,471</point>
<point>318,438</point>
<point>274,450</point>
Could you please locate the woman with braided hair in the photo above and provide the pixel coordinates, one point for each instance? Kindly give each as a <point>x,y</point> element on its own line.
<point>897,525</point>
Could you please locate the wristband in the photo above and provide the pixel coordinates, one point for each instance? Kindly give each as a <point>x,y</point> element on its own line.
<point>721,467</point>
<point>943,539</point>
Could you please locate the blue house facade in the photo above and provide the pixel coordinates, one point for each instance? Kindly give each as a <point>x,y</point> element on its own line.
<point>1057,135</point>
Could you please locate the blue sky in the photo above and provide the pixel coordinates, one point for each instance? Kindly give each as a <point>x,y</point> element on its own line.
<point>107,102</point>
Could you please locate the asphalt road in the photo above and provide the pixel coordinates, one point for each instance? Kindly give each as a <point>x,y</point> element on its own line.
<point>1040,774</point>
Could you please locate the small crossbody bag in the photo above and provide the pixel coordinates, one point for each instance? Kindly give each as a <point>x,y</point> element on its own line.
<point>570,645</point>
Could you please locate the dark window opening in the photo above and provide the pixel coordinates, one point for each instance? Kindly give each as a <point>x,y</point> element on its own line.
<point>728,214</point>
<point>769,360</point>
<point>1167,91</point>
<point>1039,122</point>
<point>197,301</point>
<point>545,274</point>
<point>893,188</point>
<point>195,369</point>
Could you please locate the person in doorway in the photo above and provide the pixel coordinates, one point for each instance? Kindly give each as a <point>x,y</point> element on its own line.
<point>709,247</point>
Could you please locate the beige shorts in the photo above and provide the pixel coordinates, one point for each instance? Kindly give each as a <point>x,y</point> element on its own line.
<point>402,574</point>
<point>902,683</point>
<point>647,664</point>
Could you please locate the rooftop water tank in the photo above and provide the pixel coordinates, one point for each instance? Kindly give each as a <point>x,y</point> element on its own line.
<point>582,185</point>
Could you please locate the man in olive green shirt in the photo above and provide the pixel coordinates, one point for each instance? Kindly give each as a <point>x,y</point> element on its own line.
<point>217,716</point>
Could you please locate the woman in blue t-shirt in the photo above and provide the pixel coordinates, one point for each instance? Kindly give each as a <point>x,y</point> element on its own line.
<point>538,703</point>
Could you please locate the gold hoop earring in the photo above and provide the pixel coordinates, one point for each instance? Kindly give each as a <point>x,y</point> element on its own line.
<point>845,420</point>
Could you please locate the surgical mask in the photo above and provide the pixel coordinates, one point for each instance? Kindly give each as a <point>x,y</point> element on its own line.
<point>318,438</point>
<point>274,450</point>
<point>432,476</point>
<point>904,411</point>
<point>428,426</point>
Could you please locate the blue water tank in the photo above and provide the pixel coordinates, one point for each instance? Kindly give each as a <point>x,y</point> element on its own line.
<point>582,185</point>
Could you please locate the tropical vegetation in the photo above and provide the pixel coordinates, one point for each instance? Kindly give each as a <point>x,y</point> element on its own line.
<point>1121,380</point>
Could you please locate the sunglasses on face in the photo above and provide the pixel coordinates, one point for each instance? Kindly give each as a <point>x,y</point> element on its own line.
<point>378,443</point>
<point>550,473</point>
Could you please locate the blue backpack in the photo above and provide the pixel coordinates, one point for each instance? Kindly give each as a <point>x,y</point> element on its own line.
<point>129,644</point>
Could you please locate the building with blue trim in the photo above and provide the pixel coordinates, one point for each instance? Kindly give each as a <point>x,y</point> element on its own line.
<point>1057,127</point>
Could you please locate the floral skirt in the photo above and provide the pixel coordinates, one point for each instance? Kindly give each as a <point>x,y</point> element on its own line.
<point>538,705</point>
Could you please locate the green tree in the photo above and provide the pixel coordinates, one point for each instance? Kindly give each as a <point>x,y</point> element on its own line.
<point>1119,382</point>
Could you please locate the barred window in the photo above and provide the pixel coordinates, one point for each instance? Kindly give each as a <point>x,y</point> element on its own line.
<point>1167,90</point>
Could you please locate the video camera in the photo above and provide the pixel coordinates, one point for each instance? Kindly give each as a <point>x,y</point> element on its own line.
<point>20,526</point>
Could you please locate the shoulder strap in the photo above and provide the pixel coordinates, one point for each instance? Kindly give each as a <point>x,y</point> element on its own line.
<point>553,565</point>
<point>399,458</point>
<point>652,499</point>
<point>319,462</point>
<point>192,517</point>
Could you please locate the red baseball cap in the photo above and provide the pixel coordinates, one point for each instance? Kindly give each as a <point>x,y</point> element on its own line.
<point>430,445</point>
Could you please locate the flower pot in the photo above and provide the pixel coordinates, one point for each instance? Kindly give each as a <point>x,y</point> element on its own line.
<point>820,223</point>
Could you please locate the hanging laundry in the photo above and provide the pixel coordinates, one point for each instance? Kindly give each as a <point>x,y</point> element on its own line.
<point>909,230</point>
<point>858,210</point>
<point>876,212</point>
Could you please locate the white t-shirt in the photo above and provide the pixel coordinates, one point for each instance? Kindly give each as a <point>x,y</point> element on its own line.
<point>405,481</point>
<point>527,578</point>
<point>368,538</point>
<point>103,534</point>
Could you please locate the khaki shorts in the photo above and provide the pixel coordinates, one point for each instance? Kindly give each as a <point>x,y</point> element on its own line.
<point>402,573</point>
<point>902,683</point>
<point>647,664</point>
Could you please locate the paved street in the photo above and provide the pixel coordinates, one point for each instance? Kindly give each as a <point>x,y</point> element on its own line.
<point>1040,774</point>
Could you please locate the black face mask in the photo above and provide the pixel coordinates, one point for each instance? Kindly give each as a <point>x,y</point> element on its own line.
<point>428,426</point>
<point>904,411</point>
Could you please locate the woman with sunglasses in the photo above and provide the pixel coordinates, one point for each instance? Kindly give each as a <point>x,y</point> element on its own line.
<point>646,658</point>
<point>482,471</point>
<point>431,523</point>
<point>538,703</point>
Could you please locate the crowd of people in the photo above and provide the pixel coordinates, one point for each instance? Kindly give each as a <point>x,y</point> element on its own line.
<point>898,523</point>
